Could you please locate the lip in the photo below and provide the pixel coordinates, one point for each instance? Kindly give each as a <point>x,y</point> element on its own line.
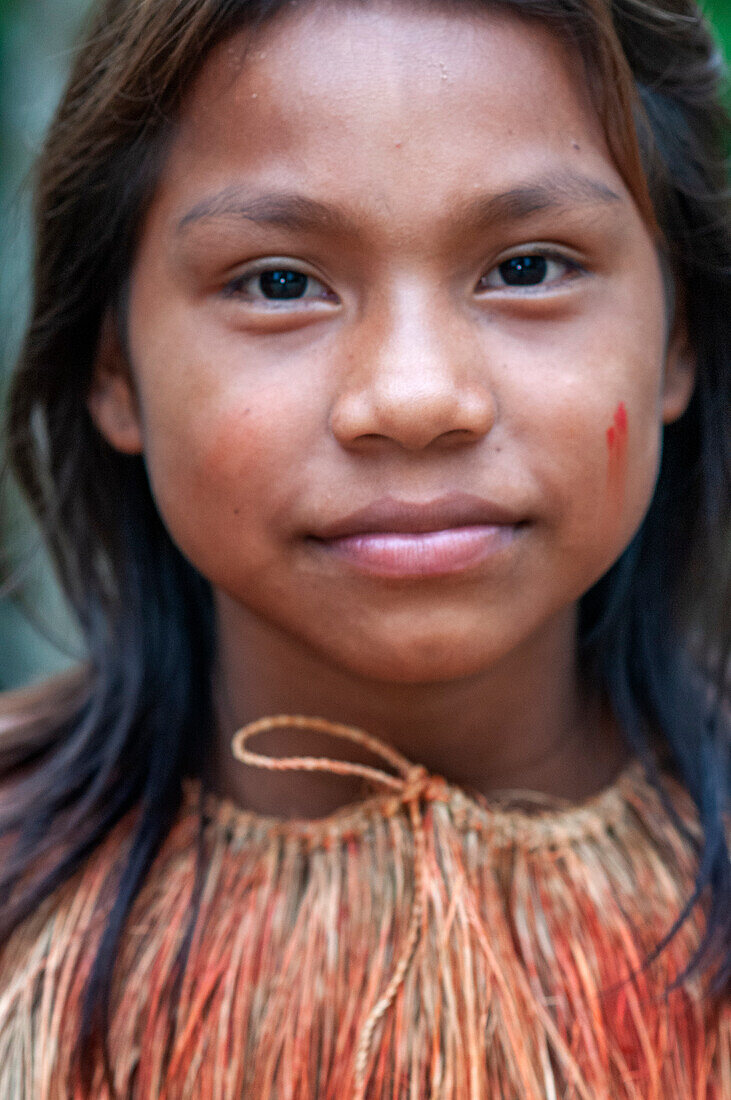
<point>393,538</point>
<point>390,515</point>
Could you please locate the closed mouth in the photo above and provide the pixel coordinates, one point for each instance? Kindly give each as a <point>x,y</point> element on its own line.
<point>391,516</point>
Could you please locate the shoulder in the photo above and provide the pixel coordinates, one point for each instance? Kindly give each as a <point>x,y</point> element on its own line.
<point>43,962</point>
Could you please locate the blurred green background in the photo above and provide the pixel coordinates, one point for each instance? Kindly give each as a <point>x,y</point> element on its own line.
<point>37,635</point>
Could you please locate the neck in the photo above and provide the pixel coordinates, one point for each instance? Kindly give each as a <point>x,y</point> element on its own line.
<point>524,723</point>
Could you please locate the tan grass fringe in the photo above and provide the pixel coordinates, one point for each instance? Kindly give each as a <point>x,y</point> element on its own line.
<point>422,943</point>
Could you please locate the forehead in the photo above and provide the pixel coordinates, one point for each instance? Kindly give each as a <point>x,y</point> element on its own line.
<point>387,107</point>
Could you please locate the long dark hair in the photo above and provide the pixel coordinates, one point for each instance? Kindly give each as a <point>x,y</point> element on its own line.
<point>136,719</point>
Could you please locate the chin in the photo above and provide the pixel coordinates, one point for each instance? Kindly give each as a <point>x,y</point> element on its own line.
<point>414,661</point>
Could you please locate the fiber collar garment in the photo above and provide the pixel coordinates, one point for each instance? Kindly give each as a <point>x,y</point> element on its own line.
<point>421,943</point>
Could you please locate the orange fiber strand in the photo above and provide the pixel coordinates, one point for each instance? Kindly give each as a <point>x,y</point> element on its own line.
<point>421,944</point>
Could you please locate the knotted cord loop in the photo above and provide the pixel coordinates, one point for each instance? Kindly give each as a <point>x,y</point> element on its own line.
<point>414,784</point>
<point>422,784</point>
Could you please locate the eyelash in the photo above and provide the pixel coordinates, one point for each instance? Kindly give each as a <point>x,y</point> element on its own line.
<point>236,287</point>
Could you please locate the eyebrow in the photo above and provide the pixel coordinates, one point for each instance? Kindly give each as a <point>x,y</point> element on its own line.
<point>289,210</point>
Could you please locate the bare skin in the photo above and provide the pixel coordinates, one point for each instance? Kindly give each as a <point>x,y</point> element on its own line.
<point>411,366</point>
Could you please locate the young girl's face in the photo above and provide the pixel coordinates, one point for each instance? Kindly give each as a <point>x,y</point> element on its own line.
<point>391,266</point>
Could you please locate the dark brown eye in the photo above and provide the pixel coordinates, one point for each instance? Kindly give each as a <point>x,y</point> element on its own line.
<point>282,284</point>
<point>277,285</point>
<point>524,270</point>
<point>533,269</point>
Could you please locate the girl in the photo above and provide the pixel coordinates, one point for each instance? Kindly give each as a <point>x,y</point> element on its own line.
<point>377,381</point>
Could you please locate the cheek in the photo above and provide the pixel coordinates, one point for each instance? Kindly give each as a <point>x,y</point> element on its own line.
<point>220,464</point>
<point>596,455</point>
<point>614,474</point>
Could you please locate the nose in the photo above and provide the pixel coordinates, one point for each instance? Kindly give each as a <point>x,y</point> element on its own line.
<point>415,377</point>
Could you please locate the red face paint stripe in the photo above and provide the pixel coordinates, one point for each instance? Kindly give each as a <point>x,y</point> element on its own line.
<point>617,447</point>
<point>620,418</point>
